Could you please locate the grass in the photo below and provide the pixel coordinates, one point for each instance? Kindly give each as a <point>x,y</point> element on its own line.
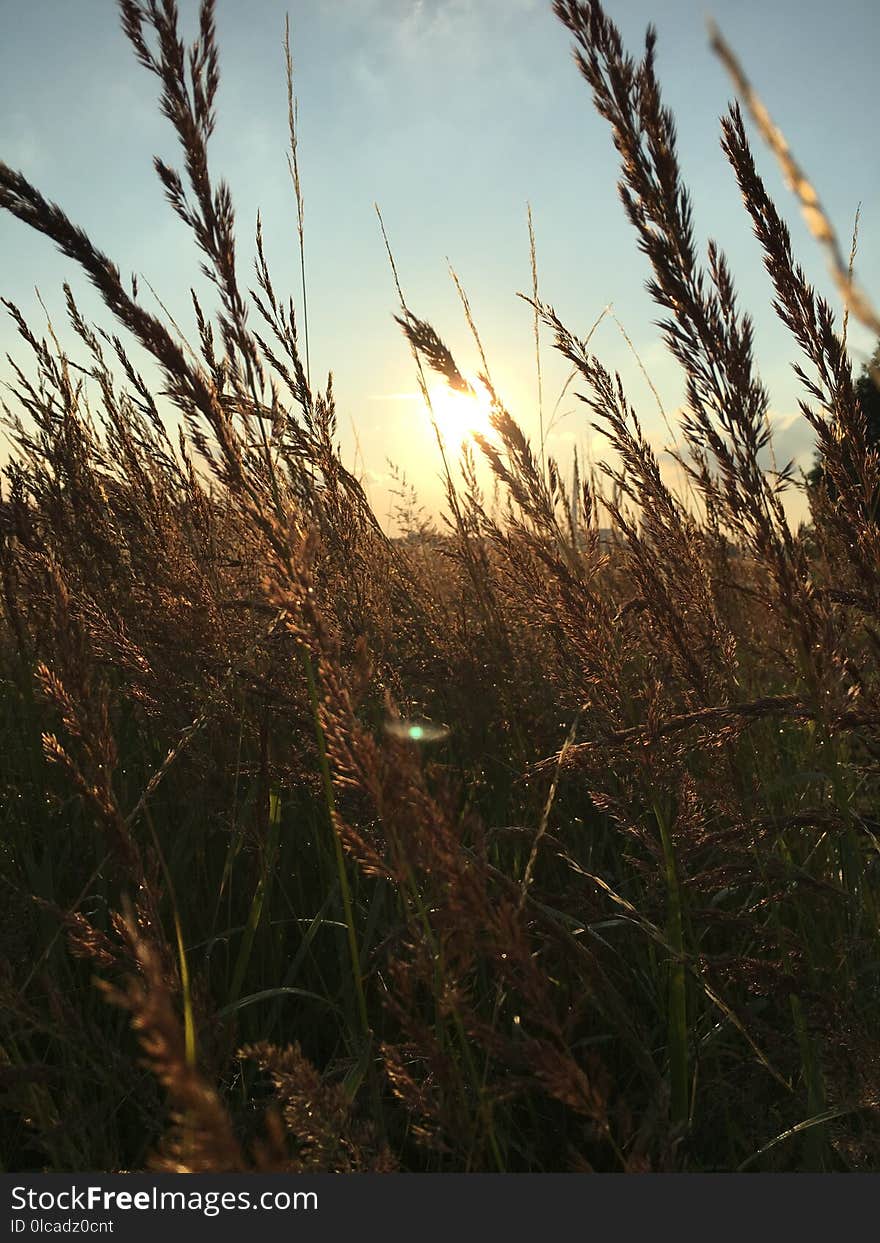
<point>515,848</point>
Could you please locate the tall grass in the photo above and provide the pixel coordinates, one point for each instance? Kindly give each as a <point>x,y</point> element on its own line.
<point>620,913</point>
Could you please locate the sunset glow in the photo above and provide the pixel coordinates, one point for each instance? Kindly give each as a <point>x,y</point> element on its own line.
<point>459,415</point>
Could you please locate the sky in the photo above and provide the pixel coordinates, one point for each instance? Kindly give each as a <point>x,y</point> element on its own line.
<point>452,115</point>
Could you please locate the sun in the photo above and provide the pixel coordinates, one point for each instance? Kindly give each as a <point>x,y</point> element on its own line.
<point>459,415</point>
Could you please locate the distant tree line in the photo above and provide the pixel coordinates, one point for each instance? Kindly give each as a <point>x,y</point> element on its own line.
<point>868,394</point>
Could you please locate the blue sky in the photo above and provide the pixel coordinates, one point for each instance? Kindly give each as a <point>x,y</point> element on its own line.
<point>450,114</point>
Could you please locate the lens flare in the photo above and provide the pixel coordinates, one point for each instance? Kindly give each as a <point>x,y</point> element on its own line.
<point>416,730</point>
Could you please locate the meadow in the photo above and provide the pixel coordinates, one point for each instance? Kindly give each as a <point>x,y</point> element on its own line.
<point>544,838</point>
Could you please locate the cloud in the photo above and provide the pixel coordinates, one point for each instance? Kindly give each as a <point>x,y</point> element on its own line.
<point>379,479</point>
<point>22,146</point>
<point>418,36</point>
<point>793,440</point>
<point>781,421</point>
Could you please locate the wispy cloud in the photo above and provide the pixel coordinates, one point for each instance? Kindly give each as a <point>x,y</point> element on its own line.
<point>782,420</point>
<point>22,148</point>
<point>422,38</point>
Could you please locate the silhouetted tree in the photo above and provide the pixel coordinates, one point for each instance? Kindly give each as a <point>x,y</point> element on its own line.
<point>868,394</point>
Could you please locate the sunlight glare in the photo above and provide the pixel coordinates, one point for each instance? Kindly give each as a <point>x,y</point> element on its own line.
<point>459,415</point>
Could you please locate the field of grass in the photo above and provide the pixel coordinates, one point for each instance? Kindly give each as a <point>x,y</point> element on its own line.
<point>513,849</point>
